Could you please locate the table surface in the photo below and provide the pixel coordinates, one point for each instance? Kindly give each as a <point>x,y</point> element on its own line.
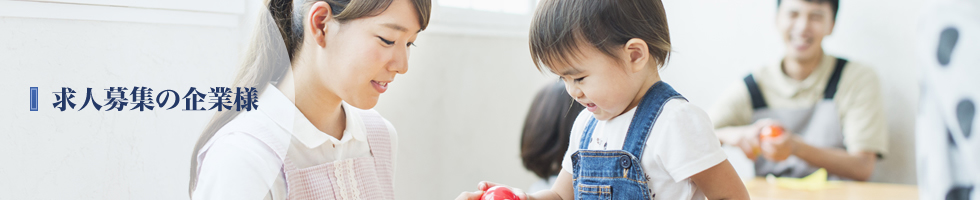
<point>843,190</point>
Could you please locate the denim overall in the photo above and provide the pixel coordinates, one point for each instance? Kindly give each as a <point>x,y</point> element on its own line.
<point>817,126</point>
<point>618,174</point>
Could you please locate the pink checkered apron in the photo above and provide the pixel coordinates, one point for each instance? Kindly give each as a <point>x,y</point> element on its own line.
<point>356,178</point>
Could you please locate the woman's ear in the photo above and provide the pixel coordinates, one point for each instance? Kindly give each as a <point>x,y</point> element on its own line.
<point>318,17</point>
<point>638,54</point>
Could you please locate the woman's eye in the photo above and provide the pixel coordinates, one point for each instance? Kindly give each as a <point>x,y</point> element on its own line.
<point>580,79</point>
<point>389,42</point>
<point>410,44</point>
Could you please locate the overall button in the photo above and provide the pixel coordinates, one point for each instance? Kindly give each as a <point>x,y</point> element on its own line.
<point>625,161</point>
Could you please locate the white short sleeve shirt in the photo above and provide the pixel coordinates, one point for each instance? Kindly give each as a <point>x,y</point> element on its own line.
<point>681,144</point>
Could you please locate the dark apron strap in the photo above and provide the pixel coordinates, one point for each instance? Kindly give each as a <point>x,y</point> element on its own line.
<point>831,89</point>
<point>756,94</point>
<point>757,101</point>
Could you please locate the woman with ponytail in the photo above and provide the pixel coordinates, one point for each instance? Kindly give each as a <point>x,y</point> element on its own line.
<point>320,67</point>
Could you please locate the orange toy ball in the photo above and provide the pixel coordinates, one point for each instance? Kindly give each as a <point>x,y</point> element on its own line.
<point>771,131</point>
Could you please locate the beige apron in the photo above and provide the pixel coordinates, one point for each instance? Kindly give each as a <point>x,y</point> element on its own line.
<point>818,126</point>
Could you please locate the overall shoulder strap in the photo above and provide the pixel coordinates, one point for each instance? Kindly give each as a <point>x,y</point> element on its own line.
<point>754,93</point>
<point>646,114</point>
<point>831,89</point>
<point>587,134</point>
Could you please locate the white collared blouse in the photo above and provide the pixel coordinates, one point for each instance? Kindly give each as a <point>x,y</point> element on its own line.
<point>236,165</point>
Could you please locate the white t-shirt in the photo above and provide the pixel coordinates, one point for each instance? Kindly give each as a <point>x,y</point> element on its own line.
<point>681,143</point>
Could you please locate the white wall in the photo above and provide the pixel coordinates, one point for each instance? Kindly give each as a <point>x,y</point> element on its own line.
<point>90,154</point>
<point>459,110</point>
<point>459,113</point>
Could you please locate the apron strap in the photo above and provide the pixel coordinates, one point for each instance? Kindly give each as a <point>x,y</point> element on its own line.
<point>831,89</point>
<point>757,101</point>
<point>379,141</point>
<point>646,114</point>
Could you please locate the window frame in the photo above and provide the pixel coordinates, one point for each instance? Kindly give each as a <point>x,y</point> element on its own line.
<point>464,21</point>
<point>219,13</point>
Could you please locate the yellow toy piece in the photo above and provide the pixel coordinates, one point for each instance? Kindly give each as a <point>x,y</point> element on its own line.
<point>815,181</point>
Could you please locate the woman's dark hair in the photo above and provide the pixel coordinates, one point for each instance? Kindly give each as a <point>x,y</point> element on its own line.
<point>275,42</point>
<point>558,27</point>
<point>547,128</point>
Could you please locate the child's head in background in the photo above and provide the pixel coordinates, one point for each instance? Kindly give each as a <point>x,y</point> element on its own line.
<point>607,52</point>
<point>546,130</point>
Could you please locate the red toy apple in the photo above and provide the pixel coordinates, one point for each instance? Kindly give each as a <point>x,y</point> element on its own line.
<point>499,193</point>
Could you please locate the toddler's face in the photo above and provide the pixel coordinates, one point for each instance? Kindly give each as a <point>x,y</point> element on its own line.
<point>599,82</point>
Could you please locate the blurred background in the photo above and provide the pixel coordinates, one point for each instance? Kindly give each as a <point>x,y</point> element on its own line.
<point>459,111</point>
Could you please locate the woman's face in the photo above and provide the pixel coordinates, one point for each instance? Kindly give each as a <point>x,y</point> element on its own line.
<point>362,56</point>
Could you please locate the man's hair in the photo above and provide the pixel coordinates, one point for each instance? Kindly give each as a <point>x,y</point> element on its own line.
<point>834,4</point>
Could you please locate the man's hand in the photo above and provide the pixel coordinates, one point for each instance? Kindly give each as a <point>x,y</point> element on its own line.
<point>747,137</point>
<point>779,148</point>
